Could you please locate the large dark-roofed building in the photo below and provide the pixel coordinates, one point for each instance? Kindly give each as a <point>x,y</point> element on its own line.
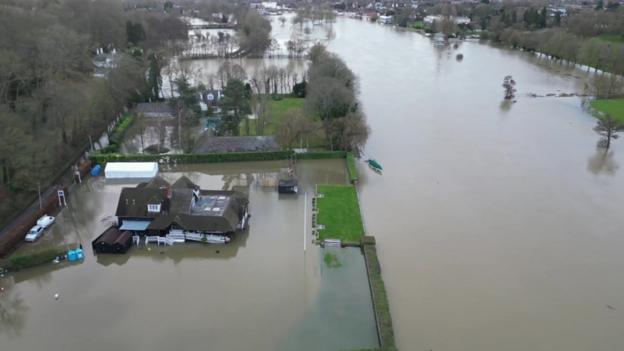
<point>155,109</point>
<point>208,144</point>
<point>157,208</point>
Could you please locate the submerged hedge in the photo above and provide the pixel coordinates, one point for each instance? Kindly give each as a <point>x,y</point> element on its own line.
<point>27,260</point>
<point>317,155</point>
<point>381,306</point>
<point>352,168</point>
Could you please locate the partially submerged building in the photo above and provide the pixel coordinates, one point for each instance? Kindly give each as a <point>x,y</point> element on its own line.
<point>208,143</point>
<point>182,211</point>
<point>155,110</point>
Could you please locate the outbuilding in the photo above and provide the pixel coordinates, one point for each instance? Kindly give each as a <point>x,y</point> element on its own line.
<point>125,170</point>
<point>105,242</point>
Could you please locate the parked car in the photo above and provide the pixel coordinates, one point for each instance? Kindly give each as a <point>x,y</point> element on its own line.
<point>34,233</point>
<point>45,221</point>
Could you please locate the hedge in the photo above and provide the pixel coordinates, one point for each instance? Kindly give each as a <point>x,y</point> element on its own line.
<point>320,155</point>
<point>352,168</point>
<point>116,137</point>
<point>381,306</point>
<point>21,261</point>
<point>102,158</point>
<point>193,158</point>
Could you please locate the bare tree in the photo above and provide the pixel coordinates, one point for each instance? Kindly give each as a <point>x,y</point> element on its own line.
<point>509,84</point>
<point>607,127</point>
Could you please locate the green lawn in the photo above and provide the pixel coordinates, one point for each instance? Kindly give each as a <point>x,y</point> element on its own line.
<point>339,212</point>
<point>277,111</point>
<point>612,38</point>
<point>614,107</point>
<point>279,108</point>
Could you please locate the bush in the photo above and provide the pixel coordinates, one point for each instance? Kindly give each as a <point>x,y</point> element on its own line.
<point>320,155</point>
<point>116,137</point>
<point>21,261</point>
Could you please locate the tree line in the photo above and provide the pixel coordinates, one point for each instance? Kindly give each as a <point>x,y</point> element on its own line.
<point>50,101</point>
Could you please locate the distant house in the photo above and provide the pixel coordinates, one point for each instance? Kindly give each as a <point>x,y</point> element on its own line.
<point>155,109</point>
<point>208,144</point>
<point>210,98</point>
<point>158,208</point>
<point>386,19</point>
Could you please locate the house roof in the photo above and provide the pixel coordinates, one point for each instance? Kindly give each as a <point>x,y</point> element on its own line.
<point>151,109</point>
<point>155,183</point>
<point>208,143</point>
<point>133,202</point>
<point>214,210</point>
<point>184,183</point>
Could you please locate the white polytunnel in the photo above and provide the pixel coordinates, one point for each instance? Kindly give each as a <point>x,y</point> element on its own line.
<point>121,170</point>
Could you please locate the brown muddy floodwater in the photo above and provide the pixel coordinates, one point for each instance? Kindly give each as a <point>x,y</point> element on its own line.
<point>498,227</point>
<point>260,292</point>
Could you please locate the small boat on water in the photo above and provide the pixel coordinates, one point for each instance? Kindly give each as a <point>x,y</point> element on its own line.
<point>374,165</point>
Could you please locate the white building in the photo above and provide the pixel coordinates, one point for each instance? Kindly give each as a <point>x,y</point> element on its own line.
<point>125,170</point>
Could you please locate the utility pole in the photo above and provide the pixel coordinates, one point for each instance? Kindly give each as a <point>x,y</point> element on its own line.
<point>39,191</point>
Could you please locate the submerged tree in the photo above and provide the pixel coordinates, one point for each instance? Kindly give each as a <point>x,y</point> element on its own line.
<point>608,127</point>
<point>236,102</point>
<point>154,78</point>
<point>509,84</point>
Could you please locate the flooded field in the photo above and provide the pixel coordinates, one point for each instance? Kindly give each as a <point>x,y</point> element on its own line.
<point>260,292</point>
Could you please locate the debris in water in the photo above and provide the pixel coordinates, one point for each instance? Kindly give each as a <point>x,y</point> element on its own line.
<point>611,307</point>
<point>56,296</point>
<point>217,251</point>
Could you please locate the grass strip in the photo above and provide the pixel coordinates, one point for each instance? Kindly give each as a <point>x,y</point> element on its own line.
<point>339,212</point>
<point>613,107</point>
<point>352,168</point>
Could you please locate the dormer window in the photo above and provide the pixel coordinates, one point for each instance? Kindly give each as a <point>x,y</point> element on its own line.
<point>153,208</point>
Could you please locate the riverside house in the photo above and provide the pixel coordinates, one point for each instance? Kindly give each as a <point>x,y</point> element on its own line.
<point>181,211</point>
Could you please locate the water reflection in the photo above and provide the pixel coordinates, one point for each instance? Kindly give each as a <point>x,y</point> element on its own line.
<point>12,311</point>
<point>506,104</point>
<point>602,162</point>
<point>178,253</point>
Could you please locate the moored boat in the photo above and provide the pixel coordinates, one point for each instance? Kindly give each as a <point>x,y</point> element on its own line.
<point>374,165</point>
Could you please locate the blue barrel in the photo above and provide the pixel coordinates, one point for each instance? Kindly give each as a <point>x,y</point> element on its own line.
<point>79,254</point>
<point>95,171</point>
<point>72,256</point>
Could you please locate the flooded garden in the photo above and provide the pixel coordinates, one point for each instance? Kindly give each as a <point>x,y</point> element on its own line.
<point>264,290</point>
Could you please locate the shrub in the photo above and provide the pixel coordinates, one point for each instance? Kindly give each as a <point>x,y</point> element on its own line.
<point>21,261</point>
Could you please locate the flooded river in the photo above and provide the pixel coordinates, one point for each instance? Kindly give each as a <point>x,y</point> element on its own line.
<point>498,227</point>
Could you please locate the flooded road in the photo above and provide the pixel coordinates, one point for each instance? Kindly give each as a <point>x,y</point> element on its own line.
<point>498,227</point>
<point>260,292</point>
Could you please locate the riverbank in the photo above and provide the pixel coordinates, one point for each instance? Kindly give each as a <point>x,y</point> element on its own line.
<point>612,107</point>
